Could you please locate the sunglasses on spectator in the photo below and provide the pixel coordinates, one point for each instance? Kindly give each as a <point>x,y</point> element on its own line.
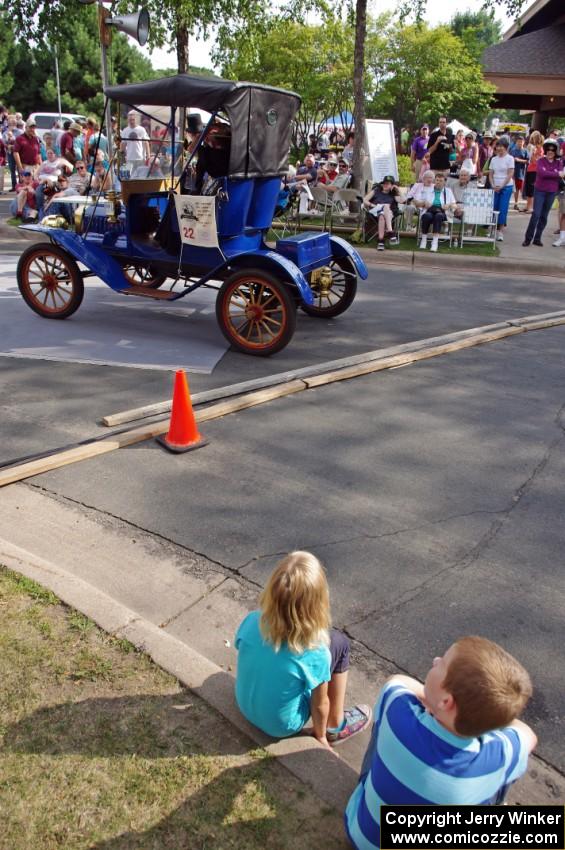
<point>81,167</point>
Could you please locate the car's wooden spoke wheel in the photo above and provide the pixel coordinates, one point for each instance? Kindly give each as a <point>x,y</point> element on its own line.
<point>256,312</point>
<point>50,281</point>
<point>334,287</point>
<point>144,276</point>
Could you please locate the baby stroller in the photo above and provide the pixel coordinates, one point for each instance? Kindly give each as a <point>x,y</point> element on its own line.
<point>285,216</point>
<point>283,201</point>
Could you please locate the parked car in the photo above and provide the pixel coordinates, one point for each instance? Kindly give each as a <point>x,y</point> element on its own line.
<point>45,120</point>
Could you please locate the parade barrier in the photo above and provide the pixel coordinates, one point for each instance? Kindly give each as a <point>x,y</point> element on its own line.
<point>292,382</point>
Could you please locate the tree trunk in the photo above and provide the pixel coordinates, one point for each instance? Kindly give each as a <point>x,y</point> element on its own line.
<point>359,90</point>
<point>181,32</point>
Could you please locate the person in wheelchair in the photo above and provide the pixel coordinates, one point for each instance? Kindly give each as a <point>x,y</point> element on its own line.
<point>381,206</point>
<point>213,156</point>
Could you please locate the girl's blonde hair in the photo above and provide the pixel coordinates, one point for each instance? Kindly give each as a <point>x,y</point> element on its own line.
<point>295,604</point>
<point>536,138</point>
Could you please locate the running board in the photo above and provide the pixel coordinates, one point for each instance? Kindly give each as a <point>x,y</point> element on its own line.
<point>147,292</point>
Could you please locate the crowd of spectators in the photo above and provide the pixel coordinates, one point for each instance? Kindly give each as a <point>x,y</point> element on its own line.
<point>445,165</point>
<point>70,159</point>
<point>327,166</point>
<point>528,168</point>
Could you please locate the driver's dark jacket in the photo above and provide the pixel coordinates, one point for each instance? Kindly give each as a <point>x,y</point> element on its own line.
<point>212,161</point>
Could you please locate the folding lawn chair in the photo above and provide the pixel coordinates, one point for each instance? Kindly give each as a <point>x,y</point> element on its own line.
<point>478,213</point>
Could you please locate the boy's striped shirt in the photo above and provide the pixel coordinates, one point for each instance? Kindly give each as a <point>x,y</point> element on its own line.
<point>418,762</point>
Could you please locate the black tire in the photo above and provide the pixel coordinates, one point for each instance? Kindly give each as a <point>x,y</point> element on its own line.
<point>256,312</point>
<point>144,276</point>
<point>339,296</point>
<point>50,281</point>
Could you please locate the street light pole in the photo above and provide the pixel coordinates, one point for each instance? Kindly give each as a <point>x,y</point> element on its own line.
<point>136,25</point>
<point>58,85</point>
<point>105,36</point>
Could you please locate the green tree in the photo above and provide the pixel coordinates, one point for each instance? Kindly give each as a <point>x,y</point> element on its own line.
<point>315,61</point>
<point>477,30</point>
<point>79,68</point>
<point>407,8</point>
<point>422,72</point>
<point>7,59</point>
<point>171,20</point>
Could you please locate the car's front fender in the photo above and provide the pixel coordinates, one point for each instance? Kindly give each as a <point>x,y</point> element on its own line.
<point>341,248</point>
<point>96,259</point>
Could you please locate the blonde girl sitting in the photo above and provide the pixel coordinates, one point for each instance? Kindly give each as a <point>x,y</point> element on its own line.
<point>291,665</point>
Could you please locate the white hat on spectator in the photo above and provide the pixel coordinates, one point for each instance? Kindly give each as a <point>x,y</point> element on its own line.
<point>31,122</point>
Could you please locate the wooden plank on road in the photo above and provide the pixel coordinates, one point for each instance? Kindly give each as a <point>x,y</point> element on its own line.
<point>409,357</point>
<point>21,471</point>
<point>129,437</point>
<point>307,371</point>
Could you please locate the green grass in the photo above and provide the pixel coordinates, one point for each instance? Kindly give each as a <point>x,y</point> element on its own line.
<point>101,749</point>
<point>409,243</point>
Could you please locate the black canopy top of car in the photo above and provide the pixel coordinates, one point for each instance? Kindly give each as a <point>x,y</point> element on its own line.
<point>260,116</point>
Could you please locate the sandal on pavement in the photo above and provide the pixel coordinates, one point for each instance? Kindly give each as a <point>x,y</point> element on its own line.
<point>356,720</point>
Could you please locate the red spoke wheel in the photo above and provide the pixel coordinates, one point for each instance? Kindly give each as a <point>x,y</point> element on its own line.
<point>50,281</point>
<point>256,312</point>
<point>334,287</point>
<point>144,276</point>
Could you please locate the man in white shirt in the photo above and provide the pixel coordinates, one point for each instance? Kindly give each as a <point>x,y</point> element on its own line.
<point>135,143</point>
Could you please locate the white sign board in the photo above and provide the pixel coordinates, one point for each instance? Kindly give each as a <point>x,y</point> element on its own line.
<point>380,147</point>
<point>197,220</point>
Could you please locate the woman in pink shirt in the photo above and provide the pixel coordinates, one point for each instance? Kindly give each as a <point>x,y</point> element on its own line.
<point>549,170</point>
<point>535,150</point>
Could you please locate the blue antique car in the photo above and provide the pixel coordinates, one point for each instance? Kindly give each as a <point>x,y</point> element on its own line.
<point>148,240</point>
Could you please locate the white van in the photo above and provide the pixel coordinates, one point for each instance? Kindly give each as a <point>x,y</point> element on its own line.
<point>45,120</point>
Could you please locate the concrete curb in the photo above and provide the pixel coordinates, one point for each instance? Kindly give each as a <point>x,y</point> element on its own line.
<point>464,263</point>
<point>330,778</point>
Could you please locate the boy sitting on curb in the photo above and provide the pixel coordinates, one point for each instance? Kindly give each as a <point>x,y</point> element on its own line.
<point>454,740</point>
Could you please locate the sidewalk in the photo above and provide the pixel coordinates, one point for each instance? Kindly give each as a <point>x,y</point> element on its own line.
<point>512,260</point>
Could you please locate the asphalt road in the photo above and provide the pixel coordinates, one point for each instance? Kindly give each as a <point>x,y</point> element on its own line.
<point>433,493</point>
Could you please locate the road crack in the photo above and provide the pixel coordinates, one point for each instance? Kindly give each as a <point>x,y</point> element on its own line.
<point>233,571</point>
<point>478,549</point>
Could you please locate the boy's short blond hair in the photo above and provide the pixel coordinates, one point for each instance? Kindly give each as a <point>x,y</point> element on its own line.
<point>489,686</point>
<point>295,604</point>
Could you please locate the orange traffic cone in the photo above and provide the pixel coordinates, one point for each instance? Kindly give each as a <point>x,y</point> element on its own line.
<point>183,433</point>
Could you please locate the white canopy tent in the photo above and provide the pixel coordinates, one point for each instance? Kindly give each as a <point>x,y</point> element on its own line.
<point>456,125</point>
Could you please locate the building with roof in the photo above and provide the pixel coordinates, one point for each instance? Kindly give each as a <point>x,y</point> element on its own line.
<point>528,66</point>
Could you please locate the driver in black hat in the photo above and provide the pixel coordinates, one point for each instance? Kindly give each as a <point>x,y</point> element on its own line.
<point>214,155</point>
